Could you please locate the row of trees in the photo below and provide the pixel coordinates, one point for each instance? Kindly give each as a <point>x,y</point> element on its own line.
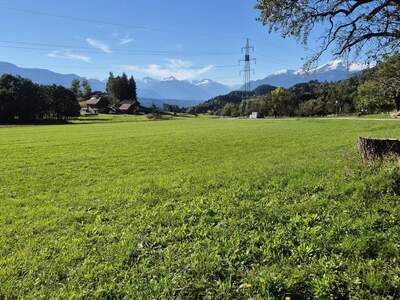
<point>306,99</point>
<point>120,88</point>
<point>381,90</point>
<point>24,101</point>
<point>376,90</point>
<point>236,97</point>
<point>368,29</point>
<point>81,90</point>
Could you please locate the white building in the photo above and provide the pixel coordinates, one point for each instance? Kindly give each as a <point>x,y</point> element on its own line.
<point>255,115</point>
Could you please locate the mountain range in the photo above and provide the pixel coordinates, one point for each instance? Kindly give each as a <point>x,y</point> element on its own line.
<point>191,92</point>
<point>44,76</point>
<point>171,88</point>
<point>332,71</point>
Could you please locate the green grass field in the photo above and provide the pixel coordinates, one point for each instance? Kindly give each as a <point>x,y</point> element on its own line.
<point>197,208</point>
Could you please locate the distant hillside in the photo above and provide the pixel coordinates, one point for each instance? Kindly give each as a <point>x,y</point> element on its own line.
<point>43,76</point>
<point>193,92</point>
<point>172,88</point>
<point>219,102</point>
<point>332,71</point>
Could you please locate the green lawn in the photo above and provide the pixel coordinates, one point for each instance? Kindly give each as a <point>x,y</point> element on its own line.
<point>102,118</point>
<point>379,116</point>
<point>197,208</point>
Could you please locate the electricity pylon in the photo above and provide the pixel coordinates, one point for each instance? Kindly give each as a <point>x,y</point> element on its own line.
<point>247,70</point>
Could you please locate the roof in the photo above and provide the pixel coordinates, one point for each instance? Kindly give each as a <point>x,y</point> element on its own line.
<point>93,101</point>
<point>125,106</point>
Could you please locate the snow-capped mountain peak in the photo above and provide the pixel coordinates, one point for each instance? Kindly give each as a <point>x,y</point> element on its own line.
<point>331,71</point>
<point>332,65</point>
<point>340,65</point>
<point>167,89</point>
<point>172,88</point>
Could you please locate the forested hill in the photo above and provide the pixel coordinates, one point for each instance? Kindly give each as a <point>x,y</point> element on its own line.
<point>235,97</point>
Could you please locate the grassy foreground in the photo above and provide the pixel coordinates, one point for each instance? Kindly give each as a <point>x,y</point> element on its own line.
<point>197,208</point>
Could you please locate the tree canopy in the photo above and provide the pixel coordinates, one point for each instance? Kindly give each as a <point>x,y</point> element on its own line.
<point>120,88</point>
<point>219,102</point>
<point>62,102</point>
<point>381,91</point>
<point>20,99</point>
<point>76,87</point>
<point>374,90</point>
<point>369,27</point>
<point>24,101</point>
<point>86,89</point>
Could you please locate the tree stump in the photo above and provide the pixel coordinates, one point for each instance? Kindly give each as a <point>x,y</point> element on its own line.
<point>377,148</point>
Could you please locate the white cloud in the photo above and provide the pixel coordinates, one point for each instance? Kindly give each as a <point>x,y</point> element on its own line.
<point>280,72</point>
<point>123,38</point>
<point>175,63</point>
<point>180,69</point>
<point>125,41</point>
<point>64,54</point>
<point>99,45</point>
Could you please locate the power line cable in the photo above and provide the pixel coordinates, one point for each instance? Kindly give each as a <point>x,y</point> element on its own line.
<point>131,53</point>
<point>120,50</point>
<point>135,27</point>
<point>108,67</point>
<point>50,47</point>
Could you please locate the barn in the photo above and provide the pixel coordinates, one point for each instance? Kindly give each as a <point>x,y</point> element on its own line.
<point>98,104</point>
<point>127,108</point>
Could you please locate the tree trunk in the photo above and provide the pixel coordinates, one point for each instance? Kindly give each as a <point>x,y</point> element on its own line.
<point>377,148</point>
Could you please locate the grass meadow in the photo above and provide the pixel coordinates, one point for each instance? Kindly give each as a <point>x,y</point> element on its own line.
<point>197,208</point>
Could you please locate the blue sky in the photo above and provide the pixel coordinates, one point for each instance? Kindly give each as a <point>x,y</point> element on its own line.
<point>183,38</point>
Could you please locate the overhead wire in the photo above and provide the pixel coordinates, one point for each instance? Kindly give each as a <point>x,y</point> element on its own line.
<point>135,27</point>
<point>23,45</point>
<point>47,47</point>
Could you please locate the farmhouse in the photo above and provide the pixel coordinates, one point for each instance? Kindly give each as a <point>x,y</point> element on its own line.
<point>127,108</point>
<point>97,104</point>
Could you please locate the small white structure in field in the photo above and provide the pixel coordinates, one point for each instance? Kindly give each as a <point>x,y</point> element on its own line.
<point>255,115</point>
<point>396,114</point>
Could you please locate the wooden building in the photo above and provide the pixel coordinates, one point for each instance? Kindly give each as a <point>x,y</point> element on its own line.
<point>127,108</point>
<point>98,104</point>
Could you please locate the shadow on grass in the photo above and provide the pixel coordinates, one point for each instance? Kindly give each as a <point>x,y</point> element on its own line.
<point>185,116</point>
<point>32,123</point>
<point>96,119</point>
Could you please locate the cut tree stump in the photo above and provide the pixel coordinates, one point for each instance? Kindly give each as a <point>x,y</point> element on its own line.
<point>377,148</point>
